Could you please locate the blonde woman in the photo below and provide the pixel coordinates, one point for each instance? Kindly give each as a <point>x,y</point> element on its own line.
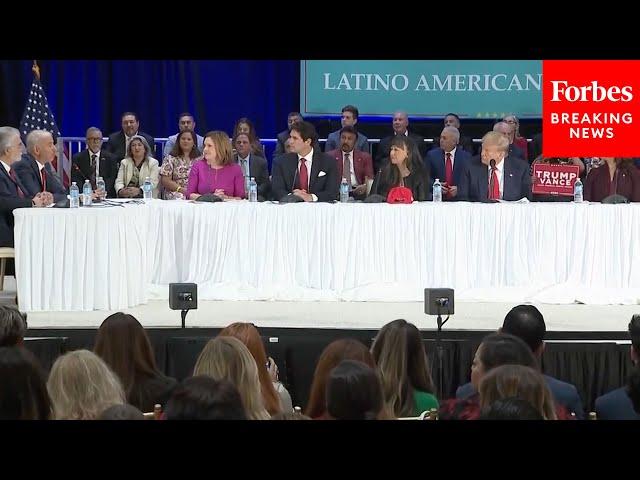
<point>227,358</point>
<point>82,386</point>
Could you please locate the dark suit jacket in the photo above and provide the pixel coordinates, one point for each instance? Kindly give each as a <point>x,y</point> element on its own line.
<point>29,174</point>
<point>7,205</point>
<point>596,186</point>
<point>108,168</point>
<point>436,161</point>
<point>474,181</point>
<point>285,176</point>
<point>116,145</point>
<point>385,146</point>
<point>563,393</point>
<point>282,139</point>
<point>615,405</point>
<point>259,170</point>
<point>362,164</point>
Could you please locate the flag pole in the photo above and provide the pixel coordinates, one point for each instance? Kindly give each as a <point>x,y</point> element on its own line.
<point>59,144</point>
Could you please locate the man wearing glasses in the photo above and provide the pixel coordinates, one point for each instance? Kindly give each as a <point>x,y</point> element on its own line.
<point>94,162</point>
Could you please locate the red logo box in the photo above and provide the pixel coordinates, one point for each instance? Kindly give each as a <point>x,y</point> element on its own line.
<point>591,108</point>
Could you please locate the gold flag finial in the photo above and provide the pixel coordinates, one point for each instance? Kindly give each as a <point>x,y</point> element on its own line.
<point>36,69</point>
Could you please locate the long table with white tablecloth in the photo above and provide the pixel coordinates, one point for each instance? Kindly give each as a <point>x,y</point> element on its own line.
<point>107,258</point>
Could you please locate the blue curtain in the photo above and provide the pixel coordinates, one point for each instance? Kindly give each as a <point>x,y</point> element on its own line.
<point>96,92</point>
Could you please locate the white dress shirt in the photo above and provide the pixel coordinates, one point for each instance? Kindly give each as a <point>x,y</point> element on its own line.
<point>352,170</point>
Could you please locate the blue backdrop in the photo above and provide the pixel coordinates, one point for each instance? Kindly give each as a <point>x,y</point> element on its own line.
<point>96,92</point>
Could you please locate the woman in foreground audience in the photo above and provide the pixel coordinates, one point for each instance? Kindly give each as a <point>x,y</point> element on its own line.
<point>354,393</point>
<point>275,397</point>
<point>332,355</point>
<point>82,386</point>
<point>517,381</point>
<point>23,391</point>
<point>125,347</point>
<point>615,176</point>
<point>399,353</point>
<point>227,358</point>
<point>511,408</point>
<point>121,412</point>
<point>244,125</point>
<point>135,168</point>
<point>177,165</point>
<point>203,398</point>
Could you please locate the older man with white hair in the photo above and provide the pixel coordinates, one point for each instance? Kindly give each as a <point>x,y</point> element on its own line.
<point>448,161</point>
<point>508,130</point>
<point>400,124</point>
<point>35,171</point>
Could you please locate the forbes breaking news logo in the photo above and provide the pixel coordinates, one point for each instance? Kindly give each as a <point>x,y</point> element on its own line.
<point>588,110</point>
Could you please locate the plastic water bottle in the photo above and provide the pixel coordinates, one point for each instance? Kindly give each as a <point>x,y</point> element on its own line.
<point>437,191</point>
<point>87,192</point>
<point>74,193</point>
<point>147,189</point>
<point>344,190</point>
<point>577,191</point>
<point>101,187</point>
<point>253,190</point>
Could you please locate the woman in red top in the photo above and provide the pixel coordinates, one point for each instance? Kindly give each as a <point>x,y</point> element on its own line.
<point>518,140</point>
<point>616,176</point>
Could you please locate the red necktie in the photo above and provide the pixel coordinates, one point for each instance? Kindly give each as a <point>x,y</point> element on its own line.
<point>448,171</point>
<point>12,174</point>
<point>44,180</point>
<point>304,177</point>
<point>495,193</point>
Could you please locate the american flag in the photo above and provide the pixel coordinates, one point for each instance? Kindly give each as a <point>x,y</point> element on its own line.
<point>38,116</point>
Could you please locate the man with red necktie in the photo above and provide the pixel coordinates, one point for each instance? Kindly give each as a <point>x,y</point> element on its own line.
<point>447,162</point>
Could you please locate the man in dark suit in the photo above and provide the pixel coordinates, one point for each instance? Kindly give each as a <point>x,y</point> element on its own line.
<point>119,141</point>
<point>305,172</point>
<point>508,179</point>
<point>94,162</point>
<point>508,130</point>
<point>616,405</point>
<point>527,323</point>
<point>358,164</point>
<point>349,119</point>
<point>400,127</point>
<point>452,120</point>
<point>34,169</point>
<point>448,161</point>
<point>283,136</point>
<point>252,166</point>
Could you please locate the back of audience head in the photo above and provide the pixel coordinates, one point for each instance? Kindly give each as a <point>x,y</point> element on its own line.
<point>633,382</point>
<point>527,323</point>
<point>332,355</point>
<point>13,326</point>
<point>82,386</point>
<point>401,358</point>
<point>248,334</point>
<point>227,358</point>
<point>634,332</point>
<point>23,391</point>
<point>511,408</point>
<point>354,392</point>
<point>500,349</point>
<point>121,412</point>
<point>203,398</point>
<point>518,381</point>
<point>123,344</point>
<point>290,416</point>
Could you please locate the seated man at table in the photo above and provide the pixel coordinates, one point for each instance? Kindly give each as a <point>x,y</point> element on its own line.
<point>252,165</point>
<point>448,161</point>
<point>306,172</point>
<point>357,164</point>
<point>493,175</point>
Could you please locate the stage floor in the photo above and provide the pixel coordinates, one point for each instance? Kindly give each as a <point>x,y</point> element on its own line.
<point>337,315</point>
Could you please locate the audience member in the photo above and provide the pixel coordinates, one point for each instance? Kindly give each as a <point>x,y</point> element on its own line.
<point>453,120</point>
<point>306,172</point>
<point>94,162</point>
<point>121,412</point>
<point>511,408</point>
<point>332,355</point>
<point>292,118</point>
<point>354,392</point>
<point>404,369</point>
<point>82,386</point>
<point>354,165</point>
<point>118,142</point>
<point>135,168</point>
<point>252,165</point>
<point>447,162</point>
<point>13,326</point>
<point>290,416</point>
<point>227,358</point>
<point>618,176</point>
<point>23,391</point>
<point>275,397</point>
<point>508,179</point>
<point>349,119</point>
<point>405,169</point>
<point>518,140</point>
<point>125,347</point>
<point>216,173</point>
<point>508,130</point>
<point>186,122</point>
<point>245,126</point>
<point>400,128</point>
<point>177,165</point>
<point>204,398</point>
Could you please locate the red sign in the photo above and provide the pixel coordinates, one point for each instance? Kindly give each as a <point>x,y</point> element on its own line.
<point>591,108</point>
<point>554,179</point>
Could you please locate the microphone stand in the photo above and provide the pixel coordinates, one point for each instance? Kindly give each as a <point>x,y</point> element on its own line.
<point>440,353</point>
<point>183,315</point>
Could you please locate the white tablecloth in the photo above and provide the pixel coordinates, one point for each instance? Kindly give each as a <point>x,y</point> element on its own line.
<point>538,252</point>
